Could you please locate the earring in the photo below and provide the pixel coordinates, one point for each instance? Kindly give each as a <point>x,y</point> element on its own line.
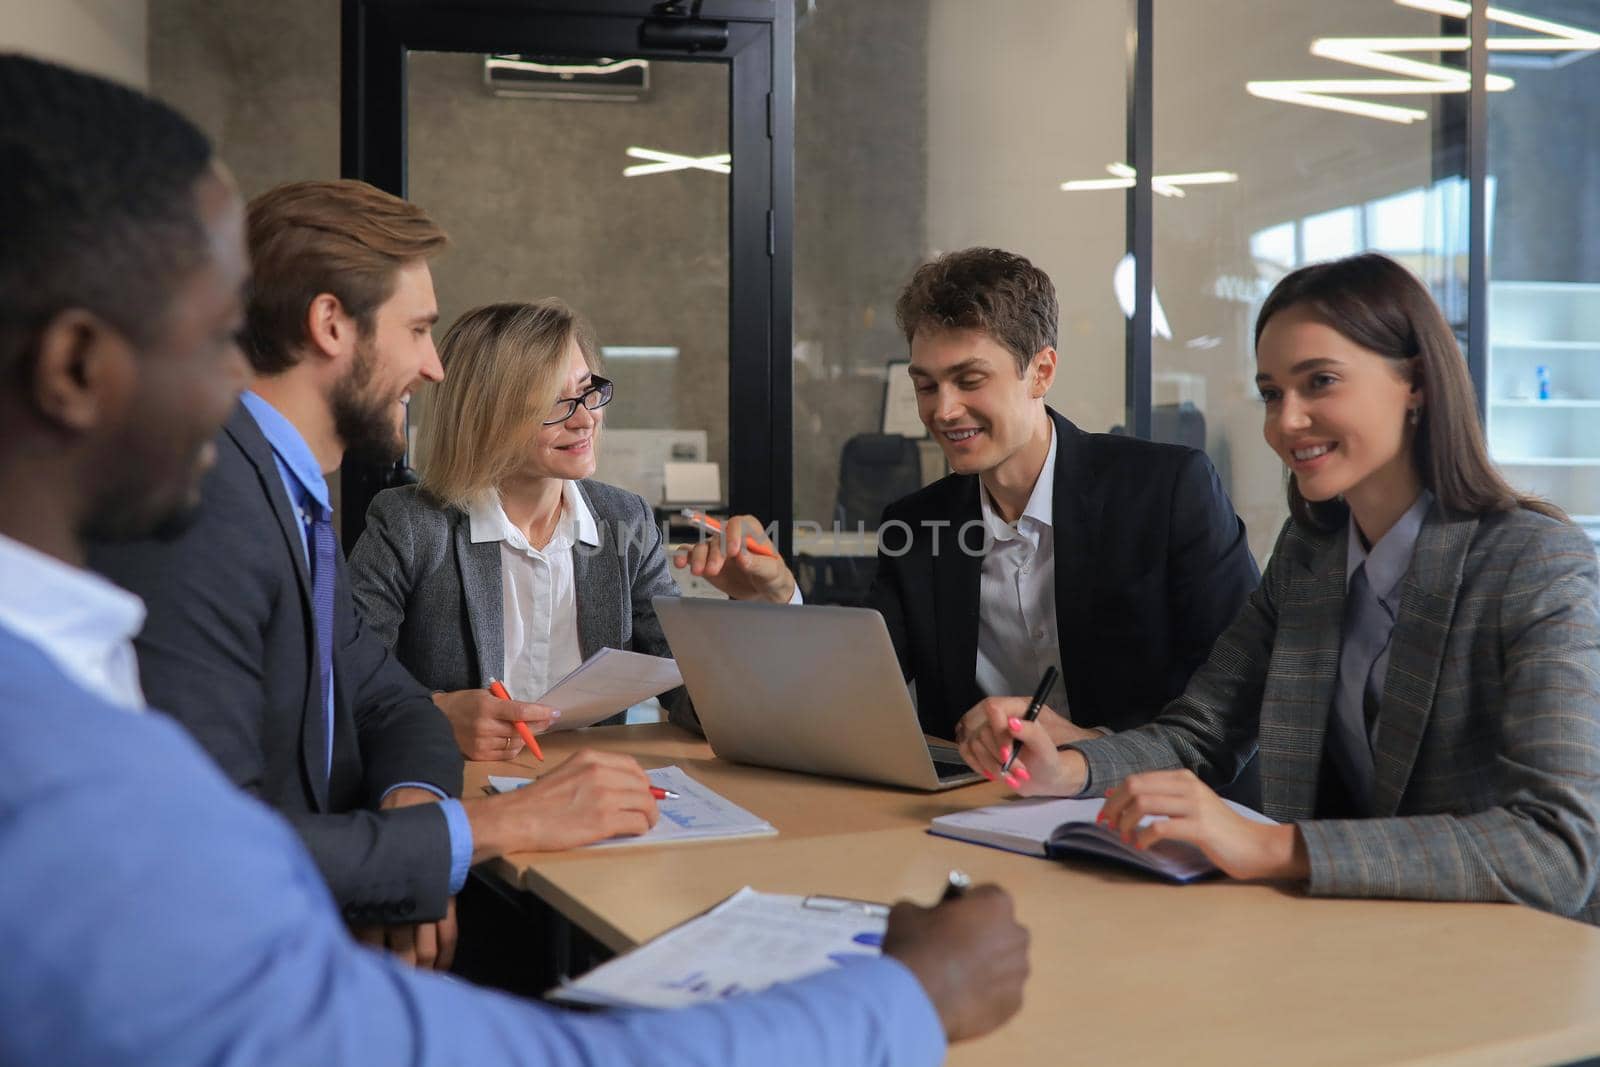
<point>1414,415</point>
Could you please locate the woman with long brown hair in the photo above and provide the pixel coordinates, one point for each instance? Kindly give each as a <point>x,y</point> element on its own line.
<point>1420,665</point>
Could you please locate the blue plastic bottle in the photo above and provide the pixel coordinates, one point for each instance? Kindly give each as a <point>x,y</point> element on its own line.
<point>1543,373</point>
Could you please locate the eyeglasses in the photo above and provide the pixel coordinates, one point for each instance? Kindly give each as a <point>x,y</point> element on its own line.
<point>597,396</point>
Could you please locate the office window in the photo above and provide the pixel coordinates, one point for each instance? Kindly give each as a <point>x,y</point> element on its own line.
<point>1292,182</point>
<point>926,126</point>
<point>1542,395</point>
<point>617,204</point>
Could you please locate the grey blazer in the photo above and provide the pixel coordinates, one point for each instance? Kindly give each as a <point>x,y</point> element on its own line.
<point>425,589</point>
<point>1488,737</point>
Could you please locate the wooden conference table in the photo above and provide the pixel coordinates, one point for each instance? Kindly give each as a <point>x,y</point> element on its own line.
<point>1125,969</point>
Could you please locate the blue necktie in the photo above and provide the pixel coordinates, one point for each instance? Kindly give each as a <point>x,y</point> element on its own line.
<point>323,564</point>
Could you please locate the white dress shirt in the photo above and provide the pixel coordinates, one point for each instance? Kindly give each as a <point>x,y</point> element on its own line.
<point>539,600</point>
<point>1017,636</point>
<point>82,622</point>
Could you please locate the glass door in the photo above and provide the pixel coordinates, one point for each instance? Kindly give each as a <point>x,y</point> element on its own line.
<point>633,161</point>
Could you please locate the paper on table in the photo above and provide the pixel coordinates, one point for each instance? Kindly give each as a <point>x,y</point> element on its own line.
<point>743,945</point>
<point>698,814</point>
<point>609,681</point>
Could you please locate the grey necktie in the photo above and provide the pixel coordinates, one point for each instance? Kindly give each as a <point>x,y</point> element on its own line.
<point>1368,626</point>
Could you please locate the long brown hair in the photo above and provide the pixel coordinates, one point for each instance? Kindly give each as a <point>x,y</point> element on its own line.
<point>1376,303</point>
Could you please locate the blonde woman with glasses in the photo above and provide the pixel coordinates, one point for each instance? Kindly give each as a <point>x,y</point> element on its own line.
<point>509,561</point>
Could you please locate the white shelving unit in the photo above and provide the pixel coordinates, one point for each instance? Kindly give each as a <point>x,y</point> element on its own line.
<point>1547,446</point>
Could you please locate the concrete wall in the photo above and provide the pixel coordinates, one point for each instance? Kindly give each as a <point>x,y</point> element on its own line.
<point>261,79</point>
<point>105,37</point>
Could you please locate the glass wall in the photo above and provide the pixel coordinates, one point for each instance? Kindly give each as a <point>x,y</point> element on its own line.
<point>925,126</point>
<point>1268,184</point>
<point>1543,375</point>
<point>616,203</point>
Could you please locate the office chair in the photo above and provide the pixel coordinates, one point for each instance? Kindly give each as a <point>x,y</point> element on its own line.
<point>875,470</point>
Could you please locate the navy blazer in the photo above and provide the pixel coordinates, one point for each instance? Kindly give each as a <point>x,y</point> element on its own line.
<point>1151,565</point>
<point>229,650</point>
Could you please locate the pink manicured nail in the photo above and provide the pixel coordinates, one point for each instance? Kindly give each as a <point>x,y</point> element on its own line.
<point>1005,753</point>
<point>989,776</point>
<point>1015,724</point>
<point>1011,781</point>
<point>1022,772</point>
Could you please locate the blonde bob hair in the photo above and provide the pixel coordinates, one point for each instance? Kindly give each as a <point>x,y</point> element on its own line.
<point>503,370</point>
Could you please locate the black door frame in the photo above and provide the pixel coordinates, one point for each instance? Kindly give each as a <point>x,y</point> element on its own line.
<point>759,53</point>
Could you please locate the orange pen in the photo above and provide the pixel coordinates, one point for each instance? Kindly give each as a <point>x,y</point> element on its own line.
<point>522,728</point>
<point>706,522</point>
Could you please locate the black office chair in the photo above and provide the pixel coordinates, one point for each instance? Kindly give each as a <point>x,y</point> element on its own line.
<point>1175,424</point>
<point>875,470</point>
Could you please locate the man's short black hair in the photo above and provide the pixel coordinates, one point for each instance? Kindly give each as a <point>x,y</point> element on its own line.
<point>97,204</point>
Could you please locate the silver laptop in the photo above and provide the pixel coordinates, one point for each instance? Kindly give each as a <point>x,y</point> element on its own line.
<point>802,688</point>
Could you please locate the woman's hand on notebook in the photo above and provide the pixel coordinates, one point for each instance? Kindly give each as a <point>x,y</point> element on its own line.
<point>1196,815</point>
<point>985,736</point>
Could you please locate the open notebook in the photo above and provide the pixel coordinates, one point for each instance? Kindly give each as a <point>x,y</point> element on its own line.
<point>1042,826</point>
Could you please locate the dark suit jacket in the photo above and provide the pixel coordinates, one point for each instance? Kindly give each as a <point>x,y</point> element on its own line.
<point>229,650</point>
<point>427,591</point>
<point>1487,752</point>
<point>1151,564</point>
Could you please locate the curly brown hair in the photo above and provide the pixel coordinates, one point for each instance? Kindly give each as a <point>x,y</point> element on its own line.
<point>986,289</point>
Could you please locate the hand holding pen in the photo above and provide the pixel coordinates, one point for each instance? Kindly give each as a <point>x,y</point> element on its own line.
<point>969,953</point>
<point>1047,683</point>
<point>528,739</point>
<point>739,561</point>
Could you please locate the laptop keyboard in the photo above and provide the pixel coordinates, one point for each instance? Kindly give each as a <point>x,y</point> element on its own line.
<point>947,762</point>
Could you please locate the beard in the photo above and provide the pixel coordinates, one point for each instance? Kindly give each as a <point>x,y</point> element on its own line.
<point>364,420</point>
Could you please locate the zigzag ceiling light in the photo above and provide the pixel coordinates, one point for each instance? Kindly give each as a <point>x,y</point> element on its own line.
<point>1417,77</point>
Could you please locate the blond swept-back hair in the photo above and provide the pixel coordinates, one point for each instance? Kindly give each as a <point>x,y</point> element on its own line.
<point>503,370</point>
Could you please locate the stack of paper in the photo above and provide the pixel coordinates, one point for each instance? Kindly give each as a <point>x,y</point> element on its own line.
<point>743,945</point>
<point>609,681</point>
<point>699,813</point>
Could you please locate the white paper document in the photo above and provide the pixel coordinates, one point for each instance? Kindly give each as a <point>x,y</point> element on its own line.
<point>743,945</point>
<point>699,813</point>
<point>609,681</point>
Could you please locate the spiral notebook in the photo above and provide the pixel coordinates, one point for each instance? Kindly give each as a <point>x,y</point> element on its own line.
<point>1043,826</point>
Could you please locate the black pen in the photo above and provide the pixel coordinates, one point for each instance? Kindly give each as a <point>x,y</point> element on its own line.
<point>1046,684</point>
<point>956,887</point>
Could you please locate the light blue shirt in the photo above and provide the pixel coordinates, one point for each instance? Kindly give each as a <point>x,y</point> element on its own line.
<point>305,485</point>
<point>154,915</point>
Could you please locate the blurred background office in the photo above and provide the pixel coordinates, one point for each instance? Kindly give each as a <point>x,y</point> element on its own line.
<point>928,125</point>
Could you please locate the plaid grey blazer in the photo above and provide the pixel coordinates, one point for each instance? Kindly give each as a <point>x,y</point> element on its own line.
<point>435,598</point>
<point>1488,738</point>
